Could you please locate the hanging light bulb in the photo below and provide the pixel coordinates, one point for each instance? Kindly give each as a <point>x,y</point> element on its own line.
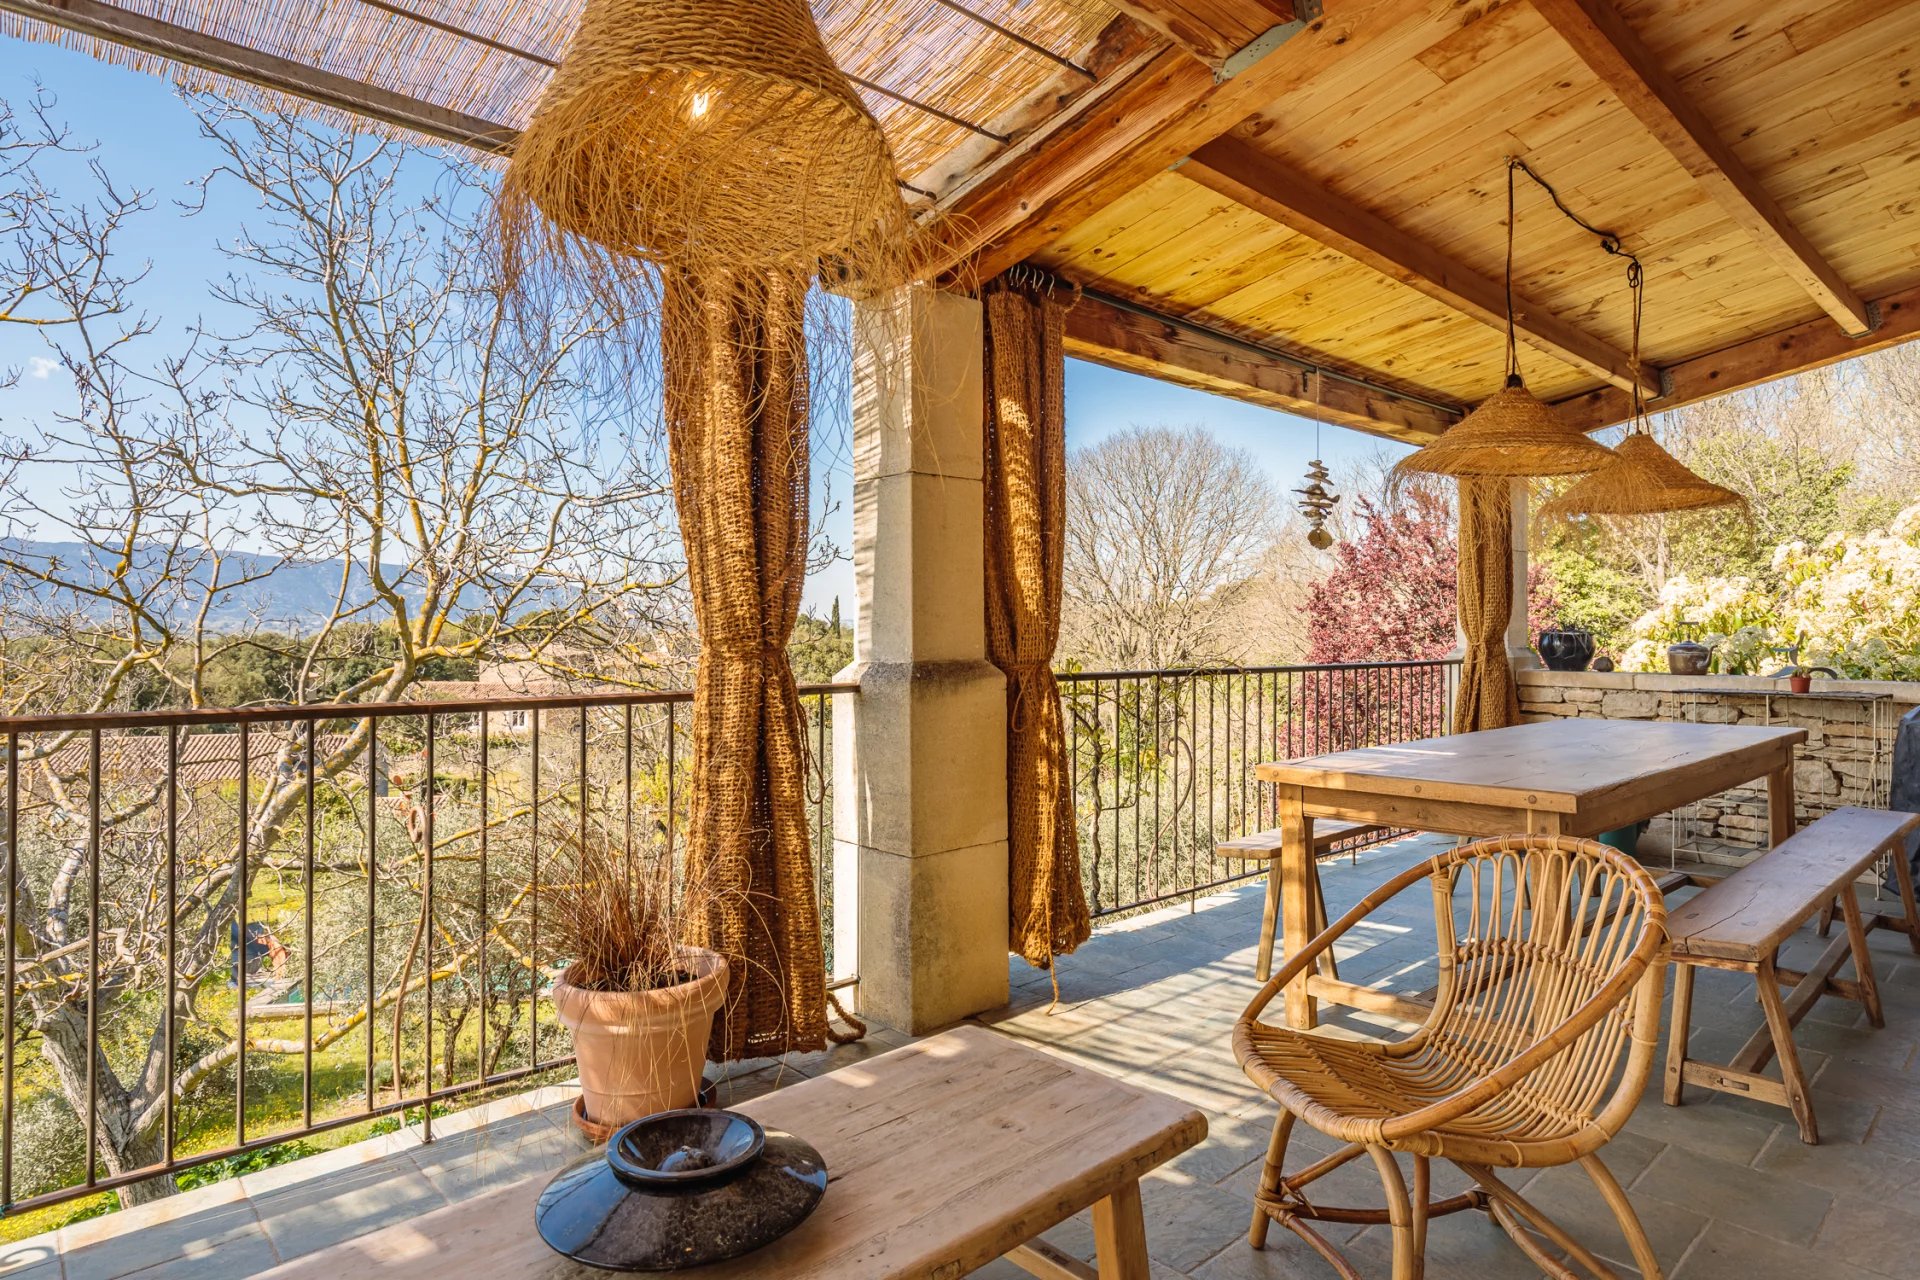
<point>1512,433</point>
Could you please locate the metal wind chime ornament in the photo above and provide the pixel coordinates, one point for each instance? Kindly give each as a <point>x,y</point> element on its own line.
<point>1317,501</point>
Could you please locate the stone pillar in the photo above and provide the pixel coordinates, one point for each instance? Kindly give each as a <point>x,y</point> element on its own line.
<point>920,798</point>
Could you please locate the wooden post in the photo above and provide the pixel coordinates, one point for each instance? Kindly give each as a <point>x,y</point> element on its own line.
<point>1783,818</point>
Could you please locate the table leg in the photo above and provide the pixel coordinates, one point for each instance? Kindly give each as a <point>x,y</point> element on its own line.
<point>1783,818</point>
<point>1296,898</point>
<point>1120,1236</point>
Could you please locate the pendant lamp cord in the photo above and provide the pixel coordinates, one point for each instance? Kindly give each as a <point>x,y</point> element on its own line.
<point>1610,242</point>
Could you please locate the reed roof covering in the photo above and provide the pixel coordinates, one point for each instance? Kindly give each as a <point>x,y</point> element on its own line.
<point>491,59</point>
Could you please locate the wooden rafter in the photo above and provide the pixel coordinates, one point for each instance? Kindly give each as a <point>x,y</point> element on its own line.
<point>1746,364</point>
<point>1237,171</point>
<point>282,75</point>
<point>1613,52</point>
<point>1170,105</point>
<point>1181,352</point>
<point>1212,30</point>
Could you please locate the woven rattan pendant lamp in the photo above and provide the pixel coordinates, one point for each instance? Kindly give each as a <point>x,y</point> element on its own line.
<point>700,135</point>
<point>1512,433</point>
<point>1643,478</point>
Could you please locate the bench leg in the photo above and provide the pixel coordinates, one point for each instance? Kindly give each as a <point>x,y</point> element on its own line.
<point>1269,922</point>
<point>1120,1236</point>
<point>1791,1076</point>
<point>1862,958</point>
<point>1903,876</point>
<point>1677,1033</point>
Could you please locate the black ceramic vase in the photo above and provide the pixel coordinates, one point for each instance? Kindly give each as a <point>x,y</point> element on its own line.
<point>1567,649</point>
<point>680,1189</point>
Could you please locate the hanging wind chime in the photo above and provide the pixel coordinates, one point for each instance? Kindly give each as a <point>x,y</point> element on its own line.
<point>1317,501</point>
<point>1512,433</point>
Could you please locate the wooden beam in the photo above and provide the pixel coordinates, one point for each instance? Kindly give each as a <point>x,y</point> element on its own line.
<point>1164,109</point>
<point>1747,364</point>
<point>1213,30</point>
<point>1614,53</point>
<point>193,48</point>
<point>1236,170</point>
<point>1191,356</point>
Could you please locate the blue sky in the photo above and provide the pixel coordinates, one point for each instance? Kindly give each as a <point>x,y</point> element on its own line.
<point>147,138</point>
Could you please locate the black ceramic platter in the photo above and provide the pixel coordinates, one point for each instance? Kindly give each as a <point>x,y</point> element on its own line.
<point>680,1189</point>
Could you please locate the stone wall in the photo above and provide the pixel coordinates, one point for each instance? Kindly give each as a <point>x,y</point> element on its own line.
<point>1849,723</point>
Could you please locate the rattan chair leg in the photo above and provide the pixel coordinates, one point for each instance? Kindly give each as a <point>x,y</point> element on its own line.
<point>1407,1262</point>
<point>1270,1174</point>
<point>1616,1198</point>
<point>1516,1215</point>
<point>1422,1191</point>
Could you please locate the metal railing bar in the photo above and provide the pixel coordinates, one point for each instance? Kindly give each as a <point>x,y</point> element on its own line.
<point>299,713</point>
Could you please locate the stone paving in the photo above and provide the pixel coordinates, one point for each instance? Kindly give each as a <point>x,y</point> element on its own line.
<point>1725,1187</point>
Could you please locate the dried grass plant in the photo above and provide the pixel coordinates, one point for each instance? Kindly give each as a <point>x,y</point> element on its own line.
<point>617,916</point>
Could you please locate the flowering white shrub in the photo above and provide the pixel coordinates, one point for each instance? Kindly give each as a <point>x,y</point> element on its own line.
<point>1851,603</point>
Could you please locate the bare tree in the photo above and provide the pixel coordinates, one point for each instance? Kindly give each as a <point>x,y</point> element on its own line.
<point>1165,533</point>
<point>483,493</point>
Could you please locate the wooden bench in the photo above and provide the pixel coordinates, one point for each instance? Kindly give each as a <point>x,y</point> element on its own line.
<point>1738,922</point>
<point>1265,846</point>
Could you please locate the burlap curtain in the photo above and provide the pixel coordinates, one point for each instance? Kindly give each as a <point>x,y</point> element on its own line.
<point>1026,498</point>
<point>736,397</point>
<point>1488,697</point>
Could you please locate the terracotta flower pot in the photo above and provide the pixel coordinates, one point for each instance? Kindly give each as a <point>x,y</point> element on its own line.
<point>1800,684</point>
<point>642,1051</point>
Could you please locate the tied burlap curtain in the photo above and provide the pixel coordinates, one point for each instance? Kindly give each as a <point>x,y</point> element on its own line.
<point>1026,498</point>
<point>1488,697</point>
<point>736,406</point>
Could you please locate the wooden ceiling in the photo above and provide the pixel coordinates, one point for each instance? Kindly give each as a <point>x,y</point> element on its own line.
<point>1762,158</point>
<point>1298,202</point>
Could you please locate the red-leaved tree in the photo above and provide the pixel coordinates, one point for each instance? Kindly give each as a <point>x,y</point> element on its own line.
<point>1390,599</point>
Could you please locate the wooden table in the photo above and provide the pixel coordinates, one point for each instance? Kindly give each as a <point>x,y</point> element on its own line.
<point>941,1157</point>
<point>1556,777</point>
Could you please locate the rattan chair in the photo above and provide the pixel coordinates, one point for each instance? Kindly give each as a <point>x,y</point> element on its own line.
<point>1541,1039</point>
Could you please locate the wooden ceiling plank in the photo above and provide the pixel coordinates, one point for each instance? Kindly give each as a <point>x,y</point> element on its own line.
<point>1233,168</point>
<point>281,75</point>
<point>1747,364</point>
<point>1185,354</point>
<point>1614,52</point>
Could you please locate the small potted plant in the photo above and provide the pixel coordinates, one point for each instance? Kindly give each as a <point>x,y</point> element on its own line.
<point>639,1003</point>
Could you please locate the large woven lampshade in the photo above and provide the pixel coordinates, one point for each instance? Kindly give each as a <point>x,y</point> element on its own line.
<point>1643,479</point>
<point>1511,434</point>
<point>701,134</point>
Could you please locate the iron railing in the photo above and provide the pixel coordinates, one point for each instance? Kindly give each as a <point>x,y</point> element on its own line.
<point>1162,761</point>
<point>230,929</point>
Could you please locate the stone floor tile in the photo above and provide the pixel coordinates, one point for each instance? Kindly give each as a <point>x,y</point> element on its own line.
<point>212,1237</point>
<point>307,1216</point>
<point>1845,1169</point>
<point>1725,1252</point>
<point>1767,1203</point>
<point>1187,1221</point>
<point>481,1160</point>
<point>1878,1235</point>
<point>1887,1046</point>
<point>1468,1245</point>
<point>1566,1195</point>
<point>34,1259</point>
<point>1704,1123</point>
